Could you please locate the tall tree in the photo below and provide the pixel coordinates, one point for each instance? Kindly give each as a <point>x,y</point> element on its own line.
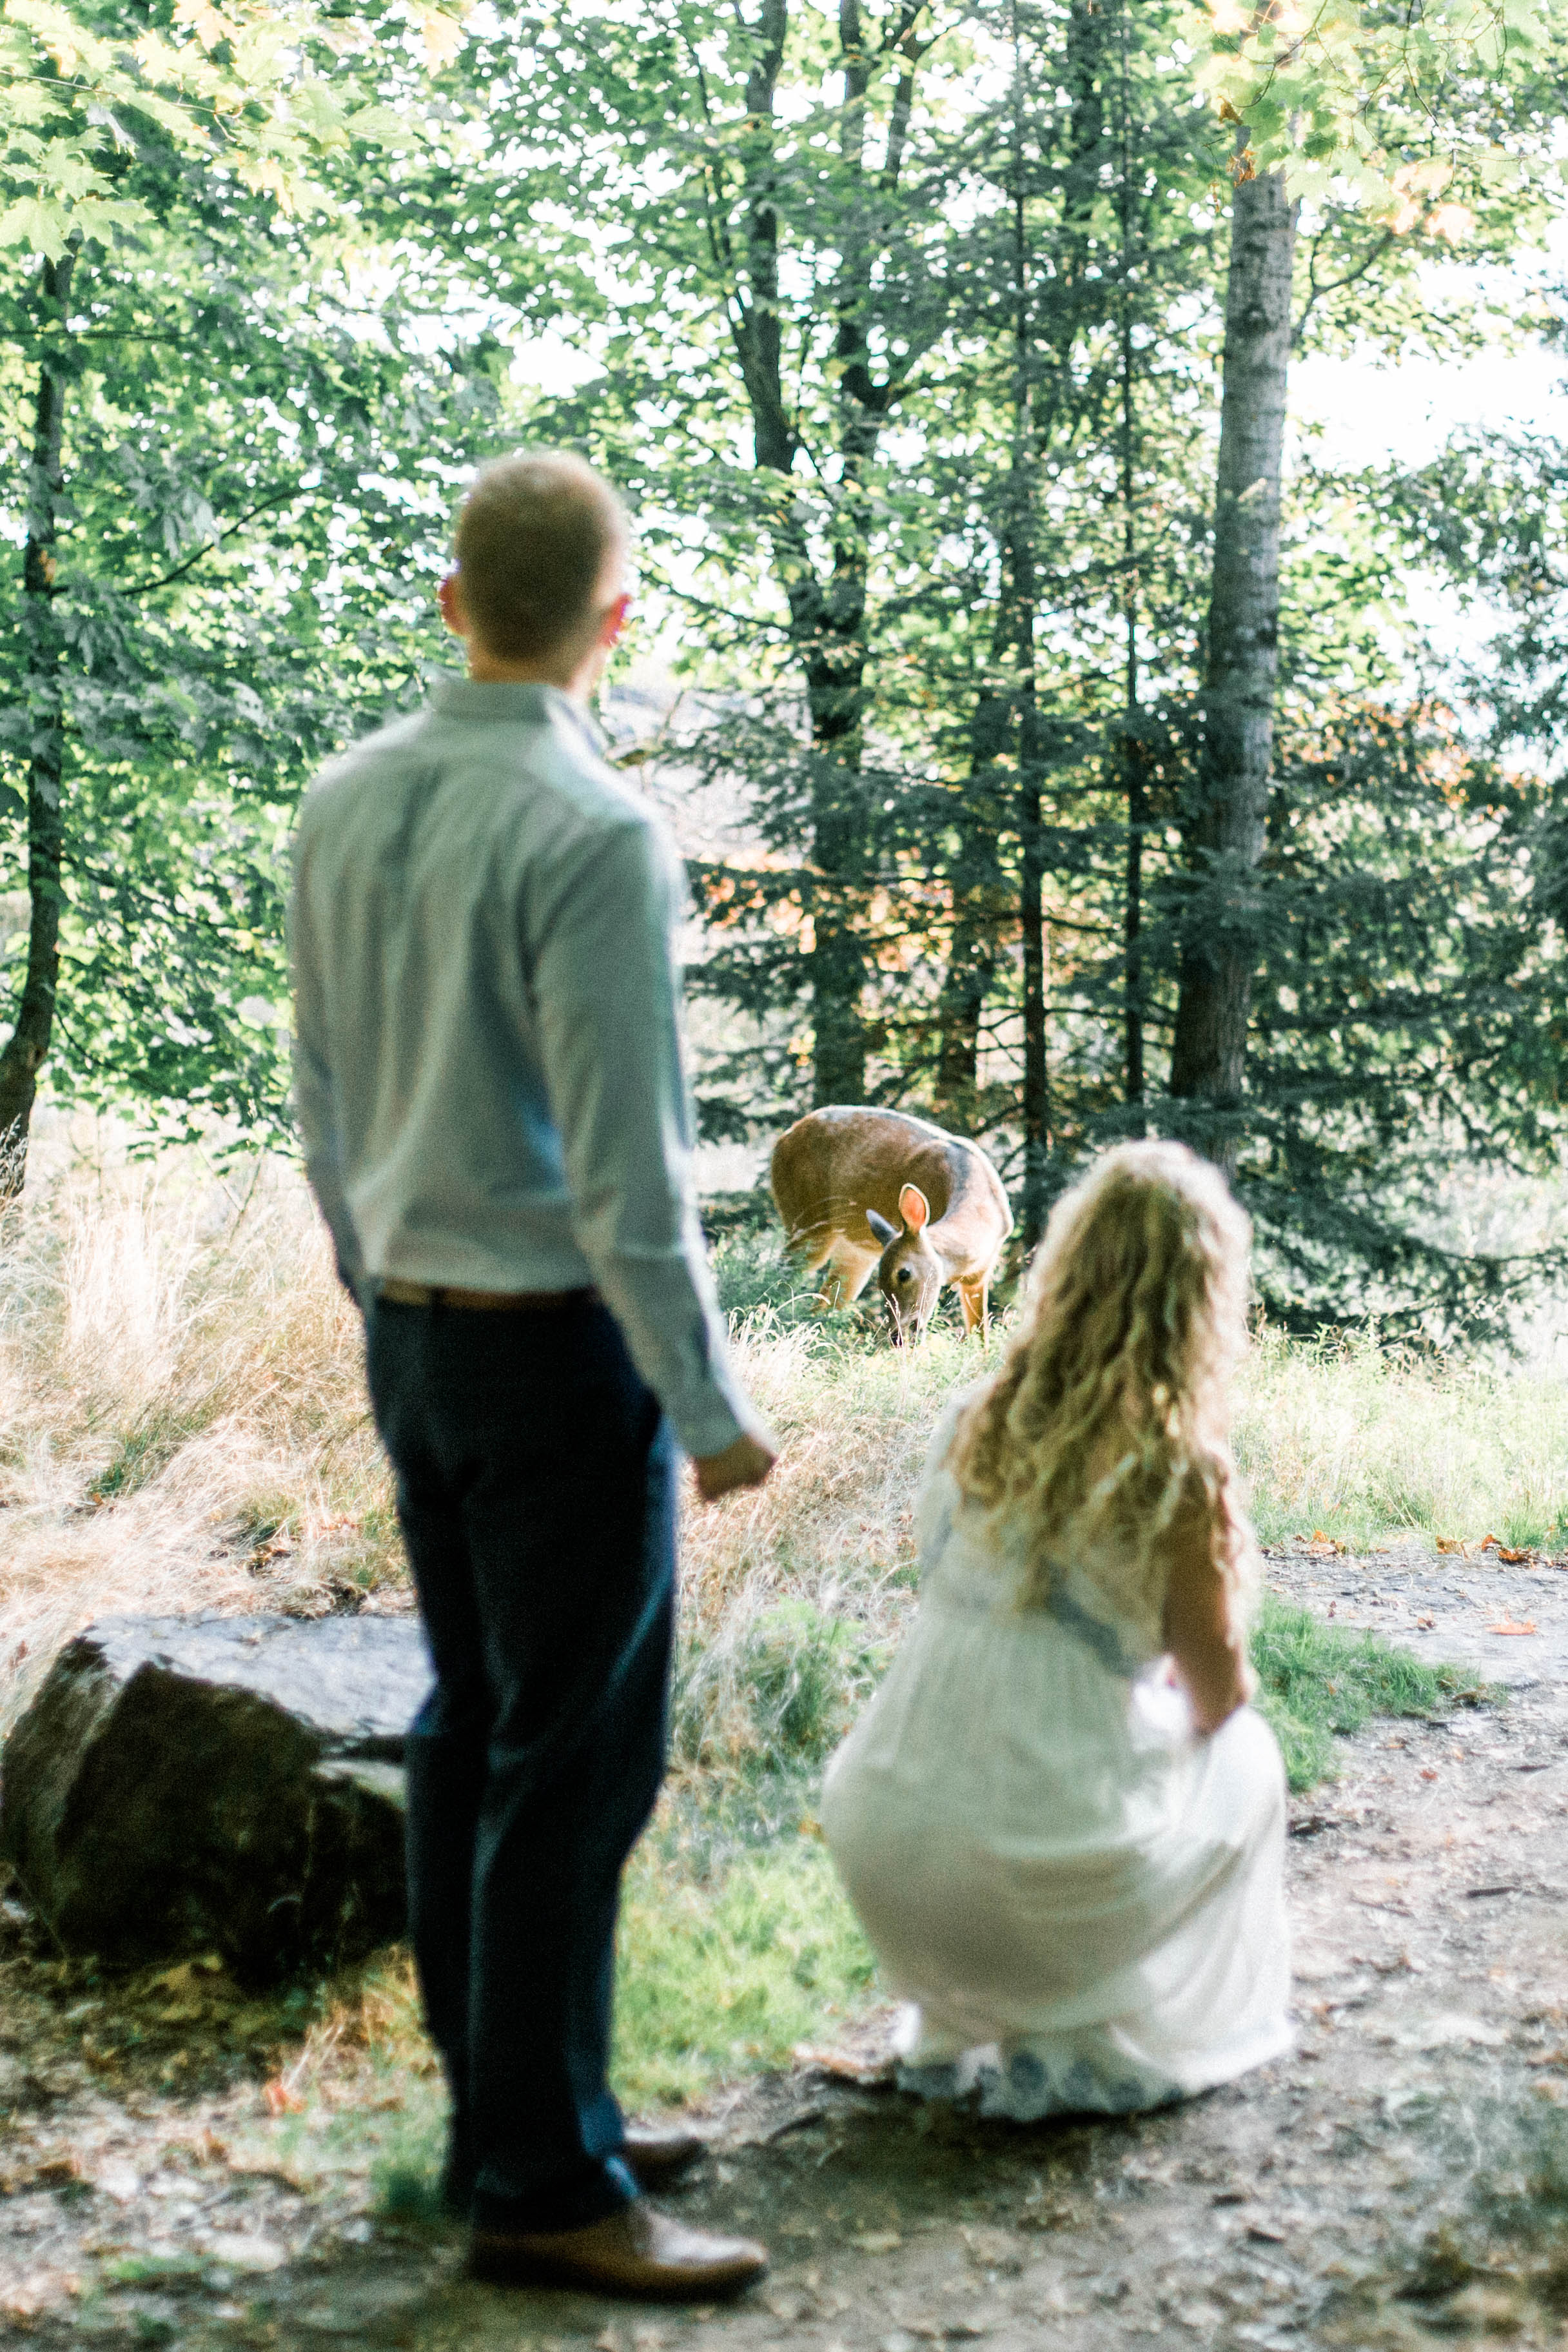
<point>27,1046</point>
<point>1226,826</point>
<point>207,417</point>
<point>104,131</point>
<point>779,309</point>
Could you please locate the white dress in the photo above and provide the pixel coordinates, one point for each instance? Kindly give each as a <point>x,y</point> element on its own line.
<point>1080,1900</point>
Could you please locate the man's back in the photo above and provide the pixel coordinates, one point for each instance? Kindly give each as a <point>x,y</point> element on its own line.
<point>488,1068</point>
<point>435,859</point>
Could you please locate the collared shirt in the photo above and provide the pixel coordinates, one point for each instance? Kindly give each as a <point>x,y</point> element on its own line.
<point>488,1072</point>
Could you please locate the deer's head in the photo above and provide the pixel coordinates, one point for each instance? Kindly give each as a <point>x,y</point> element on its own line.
<point>911,1274</point>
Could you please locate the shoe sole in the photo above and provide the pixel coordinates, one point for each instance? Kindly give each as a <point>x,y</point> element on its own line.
<point>718,2285</point>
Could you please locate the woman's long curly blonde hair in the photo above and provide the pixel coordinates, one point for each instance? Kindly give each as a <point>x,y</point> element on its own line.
<point>1107,1423</point>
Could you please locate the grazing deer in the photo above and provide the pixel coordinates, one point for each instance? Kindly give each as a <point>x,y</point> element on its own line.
<point>862,1190</point>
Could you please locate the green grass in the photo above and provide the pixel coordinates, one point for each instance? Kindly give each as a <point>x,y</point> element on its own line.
<point>725,1978</point>
<point>1374,1446</point>
<point>1317,1682</point>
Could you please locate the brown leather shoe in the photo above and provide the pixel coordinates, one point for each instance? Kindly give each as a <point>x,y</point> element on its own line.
<point>655,2153</point>
<point>637,2252</point>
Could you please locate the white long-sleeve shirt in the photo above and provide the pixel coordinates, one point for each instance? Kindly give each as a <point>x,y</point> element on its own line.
<point>488,1072</point>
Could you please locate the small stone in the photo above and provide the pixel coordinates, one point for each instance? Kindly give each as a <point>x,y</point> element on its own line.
<point>241,2250</point>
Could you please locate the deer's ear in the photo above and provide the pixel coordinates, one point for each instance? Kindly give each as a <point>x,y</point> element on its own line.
<point>884,1231</point>
<point>913,1207</point>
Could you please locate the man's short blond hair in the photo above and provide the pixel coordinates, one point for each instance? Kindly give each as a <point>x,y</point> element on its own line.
<point>533,536</point>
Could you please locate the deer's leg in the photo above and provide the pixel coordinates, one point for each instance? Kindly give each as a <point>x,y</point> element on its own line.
<point>972,1298</point>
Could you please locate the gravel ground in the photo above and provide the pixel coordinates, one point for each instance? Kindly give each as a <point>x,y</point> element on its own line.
<point>1449,1609</point>
<point>1402,2181</point>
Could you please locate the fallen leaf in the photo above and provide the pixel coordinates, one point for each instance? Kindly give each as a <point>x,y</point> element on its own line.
<point>280,2100</point>
<point>1514,1558</point>
<point>1454,1544</point>
<point>1507,1625</point>
<point>1428,1771</point>
<point>843,2066</point>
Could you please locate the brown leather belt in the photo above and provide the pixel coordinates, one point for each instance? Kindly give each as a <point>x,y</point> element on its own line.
<point>488,1302</point>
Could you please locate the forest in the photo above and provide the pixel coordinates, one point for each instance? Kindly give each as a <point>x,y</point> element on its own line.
<point>1084,764</point>
<point>1099,484</point>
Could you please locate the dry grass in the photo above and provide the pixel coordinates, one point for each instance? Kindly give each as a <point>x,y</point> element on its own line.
<point>183,1425</point>
<point>182,1421</point>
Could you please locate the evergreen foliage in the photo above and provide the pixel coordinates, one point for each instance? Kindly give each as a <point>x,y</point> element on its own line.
<point>900,324</point>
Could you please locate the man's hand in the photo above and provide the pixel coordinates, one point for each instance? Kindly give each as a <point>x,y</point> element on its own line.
<point>746,1462</point>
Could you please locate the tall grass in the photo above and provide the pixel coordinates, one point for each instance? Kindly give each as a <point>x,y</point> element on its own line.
<point>1374,1446</point>
<point>183,1420</point>
<point>183,1424</point>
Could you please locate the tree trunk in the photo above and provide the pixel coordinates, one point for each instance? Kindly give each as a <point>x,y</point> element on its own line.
<point>1032,928</point>
<point>979,913</point>
<point>1022,586</point>
<point>1219,932</point>
<point>29,1045</point>
<point>1132,748</point>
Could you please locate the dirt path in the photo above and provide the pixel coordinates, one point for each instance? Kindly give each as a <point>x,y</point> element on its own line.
<point>1402,2181</point>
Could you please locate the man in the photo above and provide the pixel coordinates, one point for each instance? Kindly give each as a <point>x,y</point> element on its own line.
<point>489,1089</point>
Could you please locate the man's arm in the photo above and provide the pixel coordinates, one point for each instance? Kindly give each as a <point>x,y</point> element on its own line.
<point>315,1102</point>
<point>602,973</point>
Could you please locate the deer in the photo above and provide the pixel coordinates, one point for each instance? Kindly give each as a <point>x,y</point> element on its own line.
<point>863,1191</point>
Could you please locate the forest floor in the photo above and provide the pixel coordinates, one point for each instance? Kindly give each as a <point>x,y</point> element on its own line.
<point>1401,2180</point>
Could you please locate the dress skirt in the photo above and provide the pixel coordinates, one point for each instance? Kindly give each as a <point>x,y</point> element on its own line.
<point>1080,1900</point>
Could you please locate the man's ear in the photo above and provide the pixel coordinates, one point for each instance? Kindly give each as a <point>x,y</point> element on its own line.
<point>614,619</point>
<point>884,1231</point>
<point>449,600</point>
<point>913,1207</point>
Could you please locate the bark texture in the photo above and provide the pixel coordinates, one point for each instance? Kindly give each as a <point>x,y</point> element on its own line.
<point>1219,939</point>
<point>981,911</point>
<point>29,1045</point>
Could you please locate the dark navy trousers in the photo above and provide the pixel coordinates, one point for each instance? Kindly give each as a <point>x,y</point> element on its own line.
<point>536,1493</point>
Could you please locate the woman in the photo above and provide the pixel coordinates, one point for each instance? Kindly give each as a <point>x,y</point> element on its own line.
<point>1060,1822</point>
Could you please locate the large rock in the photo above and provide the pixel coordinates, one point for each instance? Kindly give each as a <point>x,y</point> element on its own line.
<point>228,1784</point>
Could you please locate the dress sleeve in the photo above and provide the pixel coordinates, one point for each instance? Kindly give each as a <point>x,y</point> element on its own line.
<point>604,980</point>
